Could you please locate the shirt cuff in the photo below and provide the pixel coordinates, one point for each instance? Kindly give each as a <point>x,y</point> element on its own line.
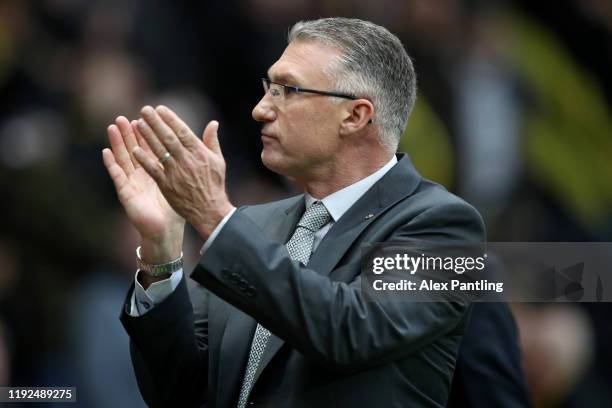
<point>216,231</point>
<point>144,300</point>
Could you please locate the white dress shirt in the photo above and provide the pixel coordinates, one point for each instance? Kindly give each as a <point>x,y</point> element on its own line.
<point>336,203</point>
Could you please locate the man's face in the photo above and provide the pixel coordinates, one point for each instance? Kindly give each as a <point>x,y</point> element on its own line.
<point>300,130</point>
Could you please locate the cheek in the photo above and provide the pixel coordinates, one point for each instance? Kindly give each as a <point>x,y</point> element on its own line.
<point>313,131</point>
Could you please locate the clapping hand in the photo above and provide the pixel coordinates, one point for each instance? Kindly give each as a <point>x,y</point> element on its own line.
<point>164,174</point>
<point>192,177</point>
<point>160,227</point>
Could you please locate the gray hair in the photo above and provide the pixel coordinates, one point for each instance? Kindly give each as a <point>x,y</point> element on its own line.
<point>372,63</point>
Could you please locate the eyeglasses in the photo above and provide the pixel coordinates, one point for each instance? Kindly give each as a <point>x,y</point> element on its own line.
<point>280,91</point>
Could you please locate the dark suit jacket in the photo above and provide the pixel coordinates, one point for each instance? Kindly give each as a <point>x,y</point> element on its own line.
<point>330,346</point>
<point>489,372</point>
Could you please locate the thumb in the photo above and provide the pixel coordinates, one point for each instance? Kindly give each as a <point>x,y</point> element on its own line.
<point>211,138</point>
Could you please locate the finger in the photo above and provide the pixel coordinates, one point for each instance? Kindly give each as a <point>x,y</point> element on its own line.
<point>128,137</point>
<point>154,143</point>
<point>211,137</point>
<point>115,171</point>
<point>141,141</point>
<point>151,166</point>
<point>163,132</point>
<point>180,128</point>
<point>122,156</point>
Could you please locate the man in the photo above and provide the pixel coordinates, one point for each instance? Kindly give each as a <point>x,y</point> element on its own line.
<point>280,318</point>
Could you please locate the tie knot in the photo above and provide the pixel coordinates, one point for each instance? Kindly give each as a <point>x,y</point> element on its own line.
<point>315,217</point>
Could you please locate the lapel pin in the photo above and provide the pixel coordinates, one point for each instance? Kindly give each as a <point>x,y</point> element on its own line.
<point>367,217</point>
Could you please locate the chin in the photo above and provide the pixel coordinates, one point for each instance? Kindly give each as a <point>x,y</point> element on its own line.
<point>276,162</point>
<point>271,160</point>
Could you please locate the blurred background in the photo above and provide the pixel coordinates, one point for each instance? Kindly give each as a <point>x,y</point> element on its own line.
<point>513,114</point>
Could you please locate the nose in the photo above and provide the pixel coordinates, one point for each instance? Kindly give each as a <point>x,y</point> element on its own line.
<point>264,110</point>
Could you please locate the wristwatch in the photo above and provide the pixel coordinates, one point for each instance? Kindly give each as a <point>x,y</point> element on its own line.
<point>157,270</point>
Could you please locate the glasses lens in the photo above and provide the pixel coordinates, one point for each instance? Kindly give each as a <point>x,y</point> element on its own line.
<point>276,90</point>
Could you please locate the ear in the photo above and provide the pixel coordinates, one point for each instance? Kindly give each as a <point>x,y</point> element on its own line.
<point>358,115</point>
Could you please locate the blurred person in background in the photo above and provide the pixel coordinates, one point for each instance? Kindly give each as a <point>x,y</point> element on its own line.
<point>558,350</point>
<point>98,346</point>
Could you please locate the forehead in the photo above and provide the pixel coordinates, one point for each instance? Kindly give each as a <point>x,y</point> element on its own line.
<point>303,63</point>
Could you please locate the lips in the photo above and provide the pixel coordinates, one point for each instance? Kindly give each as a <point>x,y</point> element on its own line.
<point>267,136</point>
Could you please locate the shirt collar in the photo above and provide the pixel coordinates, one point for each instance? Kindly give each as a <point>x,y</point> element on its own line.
<point>340,201</point>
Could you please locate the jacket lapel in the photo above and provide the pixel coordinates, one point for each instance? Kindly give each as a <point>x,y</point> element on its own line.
<point>281,228</point>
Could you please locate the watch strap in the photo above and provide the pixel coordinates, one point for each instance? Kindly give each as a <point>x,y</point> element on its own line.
<point>157,270</point>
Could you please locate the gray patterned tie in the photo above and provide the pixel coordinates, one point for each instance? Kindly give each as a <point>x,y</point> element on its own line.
<point>300,249</point>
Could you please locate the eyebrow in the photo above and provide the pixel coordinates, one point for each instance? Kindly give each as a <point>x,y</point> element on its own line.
<point>283,78</point>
